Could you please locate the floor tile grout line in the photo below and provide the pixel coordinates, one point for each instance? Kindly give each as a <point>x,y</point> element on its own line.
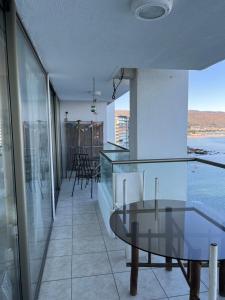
<point>159,283</point>
<point>57,256</point>
<point>53,280</point>
<point>109,260</point>
<point>93,275</point>
<point>181,295</point>
<point>204,284</point>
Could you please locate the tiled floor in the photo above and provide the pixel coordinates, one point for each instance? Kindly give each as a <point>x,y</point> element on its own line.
<point>84,263</point>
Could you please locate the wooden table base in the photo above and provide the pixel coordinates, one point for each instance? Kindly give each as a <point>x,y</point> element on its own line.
<point>222,278</point>
<point>192,275</point>
<point>135,262</point>
<point>194,279</point>
<point>134,271</point>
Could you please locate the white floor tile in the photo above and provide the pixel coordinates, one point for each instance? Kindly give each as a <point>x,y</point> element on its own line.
<point>56,290</point>
<point>173,282</point>
<point>57,268</point>
<point>83,219</point>
<point>148,286</point>
<point>114,243</point>
<point>94,288</point>
<point>61,233</point>
<point>60,247</point>
<point>88,245</point>
<point>81,231</point>
<point>90,264</point>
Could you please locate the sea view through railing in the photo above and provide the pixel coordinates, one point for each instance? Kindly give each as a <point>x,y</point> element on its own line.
<point>215,146</point>
<point>205,183</point>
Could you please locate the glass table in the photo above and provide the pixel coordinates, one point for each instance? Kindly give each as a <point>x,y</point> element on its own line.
<point>180,230</point>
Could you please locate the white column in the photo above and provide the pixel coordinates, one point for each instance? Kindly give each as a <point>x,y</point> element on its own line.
<point>158,129</point>
<point>158,109</point>
<point>213,276</point>
<point>110,122</point>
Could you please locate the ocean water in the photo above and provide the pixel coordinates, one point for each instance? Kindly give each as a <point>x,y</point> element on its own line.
<point>215,146</point>
<point>206,183</point>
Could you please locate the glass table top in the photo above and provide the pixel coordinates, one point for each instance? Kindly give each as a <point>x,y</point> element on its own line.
<point>172,228</point>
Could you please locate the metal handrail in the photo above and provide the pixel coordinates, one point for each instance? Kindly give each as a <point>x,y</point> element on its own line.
<point>210,162</point>
<point>163,160</point>
<point>122,148</point>
<point>144,161</point>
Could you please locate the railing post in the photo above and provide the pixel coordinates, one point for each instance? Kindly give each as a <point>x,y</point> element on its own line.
<point>213,258</point>
<point>124,200</point>
<point>124,192</point>
<point>156,187</point>
<point>143,186</point>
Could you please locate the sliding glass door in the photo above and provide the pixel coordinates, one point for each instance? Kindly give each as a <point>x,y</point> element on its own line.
<point>9,258</point>
<point>56,143</point>
<point>53,129</point>
<point>36,128</point>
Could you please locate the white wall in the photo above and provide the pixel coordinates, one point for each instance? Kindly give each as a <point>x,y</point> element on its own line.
<point>159,107</point>
<point>111,122</point>
<point>78,110</point>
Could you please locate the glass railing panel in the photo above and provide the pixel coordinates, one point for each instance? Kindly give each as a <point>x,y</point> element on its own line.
<point>206,185</point>
<point>189,181</point>
<point>208,147</point>
<point>180,179</point>
<point>159,180</point>
<point>106,174</point>
<point>113,147</point>
<point>110,147</point>
<point>118,156</point>
<point>105,190</point>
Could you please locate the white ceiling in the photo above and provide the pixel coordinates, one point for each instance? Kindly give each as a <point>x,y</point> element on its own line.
<point>79,39</point>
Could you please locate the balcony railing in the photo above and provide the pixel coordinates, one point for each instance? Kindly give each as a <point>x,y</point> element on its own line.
<point>189,179</point>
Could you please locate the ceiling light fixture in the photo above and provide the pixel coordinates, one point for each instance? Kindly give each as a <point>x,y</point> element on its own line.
<point>94,94</point>
<point>149,10</point>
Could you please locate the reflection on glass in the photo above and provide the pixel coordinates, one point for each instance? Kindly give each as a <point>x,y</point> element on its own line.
<point>9,278</point>
<point>36,154</point>
<point>206,185</point>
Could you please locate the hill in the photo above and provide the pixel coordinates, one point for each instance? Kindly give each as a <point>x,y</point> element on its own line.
<point>206,119</point>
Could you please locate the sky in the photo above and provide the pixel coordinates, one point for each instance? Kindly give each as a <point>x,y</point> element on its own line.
<point>206,90</point>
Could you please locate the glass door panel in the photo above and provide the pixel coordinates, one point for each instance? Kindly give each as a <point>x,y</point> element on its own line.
<point>34,100</point>
<point>9,257</point>
<point>53,129</point>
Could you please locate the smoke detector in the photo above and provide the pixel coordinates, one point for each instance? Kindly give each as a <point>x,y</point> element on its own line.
<point>149,10</point>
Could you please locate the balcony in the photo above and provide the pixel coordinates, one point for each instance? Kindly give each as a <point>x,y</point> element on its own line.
<point>85,261</point>
<point>59,81</point>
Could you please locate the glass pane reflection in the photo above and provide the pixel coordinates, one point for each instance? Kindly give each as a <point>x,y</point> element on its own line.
<point>36,153</point>
<point>9,274</point>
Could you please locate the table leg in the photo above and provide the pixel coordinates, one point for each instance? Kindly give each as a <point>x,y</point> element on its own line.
<point>134,271</point>
<point>188,270</point>
<point>195,274</point>
<point>222,278</point>
<point>168,264</point>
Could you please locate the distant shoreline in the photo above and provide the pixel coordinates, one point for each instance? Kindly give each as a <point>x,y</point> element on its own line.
<point>206,135</point>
